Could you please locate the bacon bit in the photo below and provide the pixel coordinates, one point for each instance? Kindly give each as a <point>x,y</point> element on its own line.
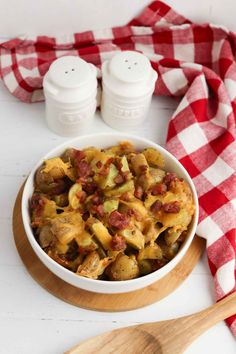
<point>84,169</point>
<point>158,263</point>
<point>169,177</point>
<point>104,171</point>
<point>85,215</point>
<point>119,179</point>
<point>138,192</point>
<point>97,198</point>
<point>118,243</point>
<point>118,220</point>
<point>172,207</point>
<point>135,213</point>
<point>36,201</point>
<point>98,210</point>
<point>125,175</point>
<point>143,168</point>
<point>81,196</point>
<point>125,196</point>
<point>99,164</point>
<point>109,161</point>
<point>156,206</point>
<point>159,188</point>
<point>79,155</point>
<point>118,164</point>
<point>89,187</point>
<point>36,204</point>
<point>130,212</point>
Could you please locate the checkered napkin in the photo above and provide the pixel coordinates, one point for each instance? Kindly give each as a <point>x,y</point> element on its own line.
<point>195,63</point>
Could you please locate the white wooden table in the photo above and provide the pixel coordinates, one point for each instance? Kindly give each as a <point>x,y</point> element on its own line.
<point>31,320</point>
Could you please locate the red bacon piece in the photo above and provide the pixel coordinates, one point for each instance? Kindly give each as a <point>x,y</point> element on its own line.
<point>118,243</point>
<point>169,177</point>
<point>119,179</point>
<point>156,206</point>
<point>138,193</point>
<point>159,188</point>
<point>172,207</point>
<point>84,169</point>
<point>118,220</point>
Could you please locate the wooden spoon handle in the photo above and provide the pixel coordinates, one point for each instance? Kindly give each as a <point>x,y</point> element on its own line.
<point>199,322</point>
<point>219,311</point>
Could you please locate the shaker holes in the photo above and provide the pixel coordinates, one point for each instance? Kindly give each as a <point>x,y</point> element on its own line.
<point>66,72</point>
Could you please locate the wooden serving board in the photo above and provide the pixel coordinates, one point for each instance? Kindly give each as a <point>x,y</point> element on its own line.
<point>95,301</point>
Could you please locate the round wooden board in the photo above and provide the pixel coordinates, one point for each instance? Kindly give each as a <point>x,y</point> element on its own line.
<point>95,301</point>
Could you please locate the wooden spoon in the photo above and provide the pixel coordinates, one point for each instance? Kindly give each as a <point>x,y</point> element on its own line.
<point>165,337</point>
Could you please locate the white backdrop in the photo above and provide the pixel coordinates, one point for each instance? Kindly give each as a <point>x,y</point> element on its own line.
<point>65,16</point>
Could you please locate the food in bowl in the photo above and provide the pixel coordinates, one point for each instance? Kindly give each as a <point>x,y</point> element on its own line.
<point>110,214</point>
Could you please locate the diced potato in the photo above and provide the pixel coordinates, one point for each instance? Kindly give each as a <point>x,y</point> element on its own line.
<point>183,218</point>
<point>154,157</point>
<point>145,267</point>
<point>150,199</point>
<point>169,252</point>
<point>109,182</point>
<point>50,209</point>
<point>134,238</point>
<point>61,248</point>
<point>73,196</point>
<point>57,168</point>
<point>68,155</point>
<point>93,266</point>
<point>150,230</point>
<point>138,162</point>
<point>150,252</point>
<point>46,237</point>
<point>66,226</point>
<point>61,200</point>
<point>125,165</point>
<point>145,180</point>
<point>102,234</point>
<point>65,233</point>
<point>126,187</point>
<point>125,147</point>
<point>156,175</point>
<point>123,268</point>
<point>110,205</point>
<point>136,205</point>
<point>172,236</point>
<point>91,153</point>
<point>84,239</point>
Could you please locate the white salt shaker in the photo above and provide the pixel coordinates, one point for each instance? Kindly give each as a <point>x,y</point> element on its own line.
<point>70,89</point>
<point>128,82</point>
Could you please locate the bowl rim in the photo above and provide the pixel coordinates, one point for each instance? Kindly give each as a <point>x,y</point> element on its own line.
<point>114,284</point>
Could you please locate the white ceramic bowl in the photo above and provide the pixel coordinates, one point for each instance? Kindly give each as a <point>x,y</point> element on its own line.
<point>101,286</point>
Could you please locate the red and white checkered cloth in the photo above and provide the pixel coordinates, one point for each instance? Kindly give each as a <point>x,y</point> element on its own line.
<point>194,62</point>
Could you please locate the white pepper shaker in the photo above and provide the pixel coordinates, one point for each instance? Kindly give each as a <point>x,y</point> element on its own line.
<point>128,82</point>
<point>70,89</point>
